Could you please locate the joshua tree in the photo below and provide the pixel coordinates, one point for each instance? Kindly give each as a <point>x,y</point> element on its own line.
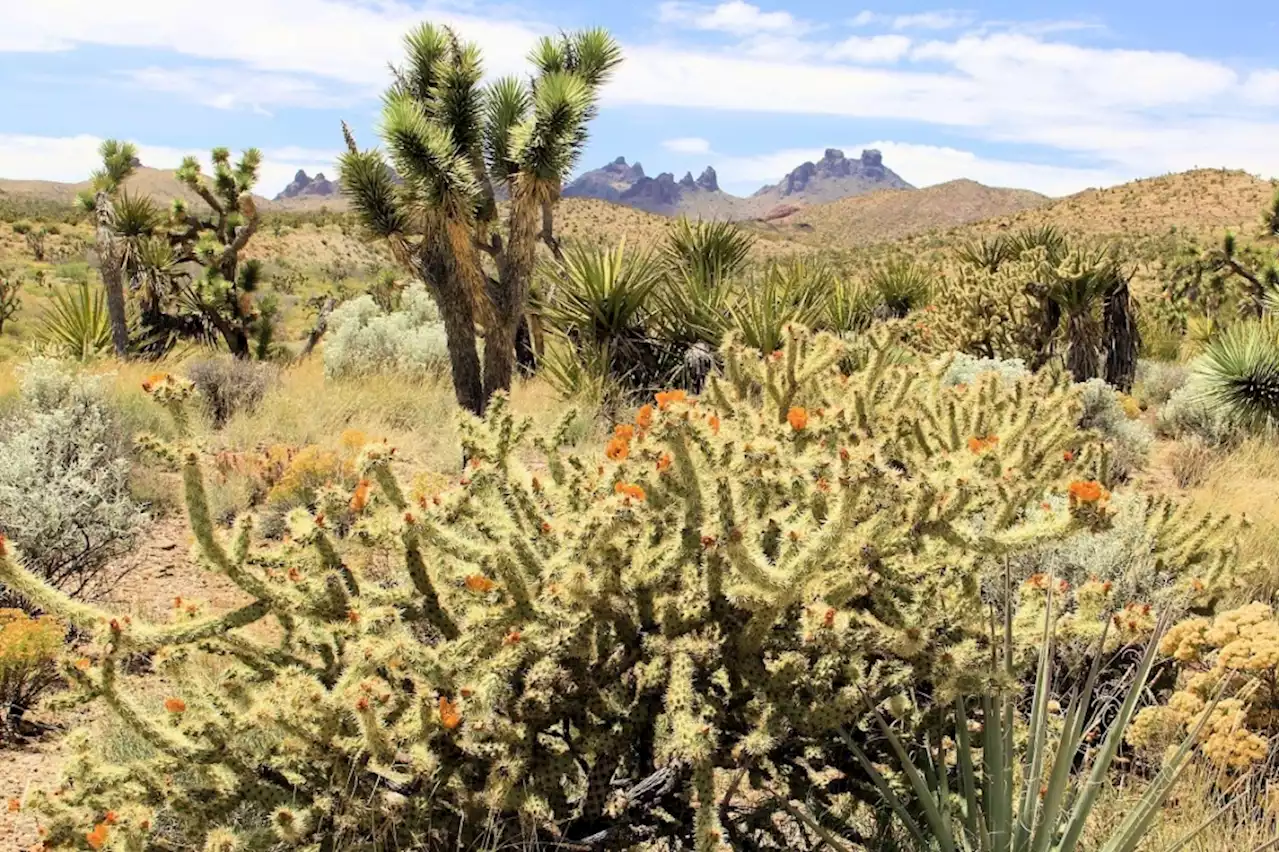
<point>457,147</point>
<point>119,159</point>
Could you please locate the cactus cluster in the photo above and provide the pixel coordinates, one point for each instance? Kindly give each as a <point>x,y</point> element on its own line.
<point>669,638</point>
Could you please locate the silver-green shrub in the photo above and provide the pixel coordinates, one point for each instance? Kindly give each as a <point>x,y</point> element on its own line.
<point>1157,380</point>
<point>966,369</point>
<point>64,468</point>
<point>1189,413</point>
<point>1128,440</point>
<point>364,339</point>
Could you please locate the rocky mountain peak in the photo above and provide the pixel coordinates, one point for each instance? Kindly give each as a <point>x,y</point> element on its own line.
<point>302,185</point>
<point>707,180</point>
<point>687,181</point>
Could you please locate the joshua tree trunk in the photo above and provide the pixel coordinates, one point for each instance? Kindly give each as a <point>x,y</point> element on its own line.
<point>110,267</point>
<point>1121,336</point>
<point>458,318</point>
<point>1082,359</point>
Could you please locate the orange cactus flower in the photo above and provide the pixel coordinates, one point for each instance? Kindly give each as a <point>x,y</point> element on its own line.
<point>625,431</point>
<point>629,489</point>
<point>665,398</point>
<point>362,703</point>
<point>1087,491</point>
<point>83,664</point>
<point>449,715</point>
<point>479,583</point>
<point>798,418</point>
<point>617,449</point>
<point>844,454</point>
<point>150,382</point>
<point>110,818</point>
<point>1045,506</point>
<point>546,528</point>
<point>98,837</point>
<point>2,547</point>
<point>1197,584</point>
<point>360,498</point>
<point>353,616</point>
<point>14,806</point>
<point>175,705</point>
<point>975,445</point>
<point>664,462</point>
<point>644,417</point>
<point>512,638</point>
<point>714,422</point>
<point>1068,456</point>
<point>829,618</point>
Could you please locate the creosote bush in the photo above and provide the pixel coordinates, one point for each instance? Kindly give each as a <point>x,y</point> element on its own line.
<point>669,639</point>
<point>29,651</point>
<point>230,385</point>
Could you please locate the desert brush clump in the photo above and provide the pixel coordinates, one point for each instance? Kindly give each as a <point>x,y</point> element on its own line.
<point>30,648</point>
<point>1128,438</point>
<point>365,338</point>
<point>1232,655</point>
<point>64,479</point>
<point>670,638</point>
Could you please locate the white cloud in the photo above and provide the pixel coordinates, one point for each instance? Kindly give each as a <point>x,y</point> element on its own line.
<point>734,17</point>
<point>863,18</point>
<point>1263,87</point>
<point>922,165</point>
<point>687,145</point>
<point>948,19</point>
<point>344,41</point>
<point>71,159</point>
<point>228,88</point>
<point>1141,112</point>
<point>870,49</point>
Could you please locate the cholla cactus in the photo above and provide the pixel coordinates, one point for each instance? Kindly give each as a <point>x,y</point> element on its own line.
<point>589,648</point>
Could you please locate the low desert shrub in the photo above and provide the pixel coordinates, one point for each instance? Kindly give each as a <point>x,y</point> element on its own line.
<point>1191,460</point>
<point>1188,413</point>
<point>965,369</point>
<point>230,385</point>
<point>364,339</point>
<point>1104,412</point>
<point>64,479</point>
<point>1156,381</point>
<point>724,590</point>
<point>1233,655</point>
<point>29,651</point>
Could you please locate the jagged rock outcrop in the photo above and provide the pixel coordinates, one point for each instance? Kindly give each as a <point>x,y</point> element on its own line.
<point>832,177</point>
<point>302,186</point>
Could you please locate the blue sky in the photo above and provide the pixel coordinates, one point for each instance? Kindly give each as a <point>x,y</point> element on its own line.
<point>1057,98</point>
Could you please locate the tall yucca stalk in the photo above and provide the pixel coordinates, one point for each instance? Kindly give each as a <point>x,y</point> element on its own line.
<point>119,159</point>
<point>1035,797</point>
<point>457,146</point>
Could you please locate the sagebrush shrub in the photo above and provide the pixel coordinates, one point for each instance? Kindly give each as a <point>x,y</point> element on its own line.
<point>1156,382</point>
<point>229,386</point>
<point>1188,413</point>
<point>64,478</point>
<point>581,646</point>
<point>965,369</point>
<point>1104,412</point>
<point>364,339</point>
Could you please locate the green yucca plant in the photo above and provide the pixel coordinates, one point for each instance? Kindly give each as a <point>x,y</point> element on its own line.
<point>77,323</point>
<point>698,245</point>
<point>787,293</point>
<point>902,285</point>
<point>1239,373</point>
<point>600,295</point>
<point>1035,797</point>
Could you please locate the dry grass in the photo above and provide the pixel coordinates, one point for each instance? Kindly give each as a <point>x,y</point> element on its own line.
<point>1246,481</point>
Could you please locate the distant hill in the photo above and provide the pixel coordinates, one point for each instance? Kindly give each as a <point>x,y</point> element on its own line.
<point>1202,203</point>
<point>834,176</point>
<point>893,214</point>
<point>160,184</point>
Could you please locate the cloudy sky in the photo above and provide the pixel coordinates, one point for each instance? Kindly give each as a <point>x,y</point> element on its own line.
<point>1053,96</point>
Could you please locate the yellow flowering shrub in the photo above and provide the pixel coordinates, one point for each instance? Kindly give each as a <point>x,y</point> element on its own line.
<point>1235,656</point>
<point>29,649</point>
